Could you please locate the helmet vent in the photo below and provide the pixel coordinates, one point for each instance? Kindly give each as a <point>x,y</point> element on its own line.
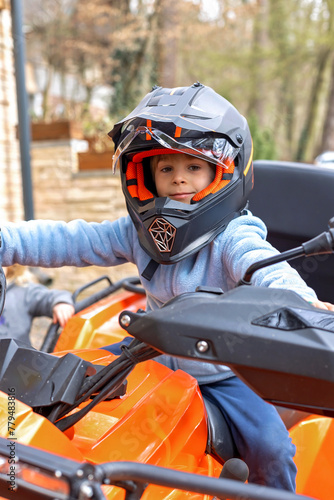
<point>163,234</point>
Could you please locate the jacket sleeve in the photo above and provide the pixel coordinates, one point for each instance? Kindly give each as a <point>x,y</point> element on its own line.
<point>41,300</point>
<point>76,243</point>
<point>246,244</point>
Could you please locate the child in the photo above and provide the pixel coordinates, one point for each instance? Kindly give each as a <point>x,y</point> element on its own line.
<point>26,300</point>
<point>180,176</point>
<point>188,226</point>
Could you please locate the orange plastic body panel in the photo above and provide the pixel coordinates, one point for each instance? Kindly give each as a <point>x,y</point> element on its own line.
<point>34,430</point>
<point>314,439</point>
<point>160,420</point>
<point>98,325</point>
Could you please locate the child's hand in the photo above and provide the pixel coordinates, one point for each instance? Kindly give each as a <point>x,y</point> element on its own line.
<point>323,305</point>
<point>62,312</point>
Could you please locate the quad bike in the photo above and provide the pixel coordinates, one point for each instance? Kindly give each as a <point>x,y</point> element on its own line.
<point>78,422</point>
<point>82,423</point>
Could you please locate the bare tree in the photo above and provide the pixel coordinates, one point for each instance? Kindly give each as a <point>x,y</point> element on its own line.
<point>327,139</point>
<point>258,60</point>
<point>48,31</point>
<point>323,52</point>
<point>327,142</point>
<point>271,58</point>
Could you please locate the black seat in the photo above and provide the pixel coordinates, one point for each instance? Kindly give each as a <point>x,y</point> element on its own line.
<point>220,441</point>
<point>221,444</point>
<point>296,201</point>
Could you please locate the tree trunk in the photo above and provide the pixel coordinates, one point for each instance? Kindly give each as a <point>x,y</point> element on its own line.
<point>260,41</point>
<point>167,43</point>
<point>310,122</point>
<point>327,143</point>
<point>45,93</point>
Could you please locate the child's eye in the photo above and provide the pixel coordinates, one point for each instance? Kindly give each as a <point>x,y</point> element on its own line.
<point>165,169</point>
<point>194,167</point>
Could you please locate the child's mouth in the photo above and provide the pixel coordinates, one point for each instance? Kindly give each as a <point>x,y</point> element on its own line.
<point>180,196</point>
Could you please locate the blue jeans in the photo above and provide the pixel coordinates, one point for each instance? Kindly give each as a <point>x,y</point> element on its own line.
<point>258,431</point>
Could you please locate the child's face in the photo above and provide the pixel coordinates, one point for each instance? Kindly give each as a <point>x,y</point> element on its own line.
<point>181,176</point>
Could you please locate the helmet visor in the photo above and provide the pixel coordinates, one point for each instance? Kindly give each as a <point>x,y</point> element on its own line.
<point>217,150</point>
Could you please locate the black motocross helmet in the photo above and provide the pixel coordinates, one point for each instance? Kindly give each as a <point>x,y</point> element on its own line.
<point>193,120</point>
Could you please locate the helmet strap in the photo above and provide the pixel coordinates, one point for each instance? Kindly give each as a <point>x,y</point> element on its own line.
<point>150,269</point>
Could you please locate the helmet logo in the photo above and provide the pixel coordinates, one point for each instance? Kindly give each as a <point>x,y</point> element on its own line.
<point>163,234</point>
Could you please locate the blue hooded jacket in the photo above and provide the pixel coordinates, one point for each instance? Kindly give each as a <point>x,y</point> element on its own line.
<point>222,263</point>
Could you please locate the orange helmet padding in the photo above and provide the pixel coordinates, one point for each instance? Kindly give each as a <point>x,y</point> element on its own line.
<point>135,175</point>
<point>135,182</point>
<point>222,178</point>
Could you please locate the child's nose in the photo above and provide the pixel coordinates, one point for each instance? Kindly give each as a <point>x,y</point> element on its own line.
<point>178,178</point>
